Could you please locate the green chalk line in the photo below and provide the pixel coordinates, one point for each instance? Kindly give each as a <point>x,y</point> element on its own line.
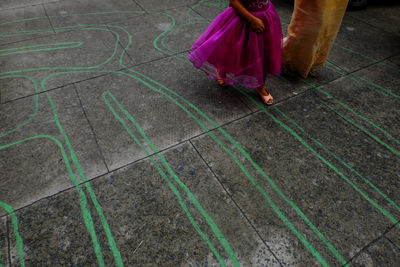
<point>272,204</point>
<point>387,134</point>
<point>155,41</point>
<point>36,102</point>
<point>269,200</point>
<point>52,75</point>
<point>360,80</point>
<point>111,241</point>
<point>83,71</point>
<point>248,175</point>
<point>383,195</point>
<point>396,152</point>
<point>18,238</point>
<point>188,13</point>
<point>58,46</point>
<point>192,198</point>
<point>220,3</point>
<point>75,68</point>
<point>67,73</point>
<point>304,241</point>
<point>82,198</point>
<point>112,244</point>
<point>281,216</point>
<point>361,117</point>
<point>265,195</point>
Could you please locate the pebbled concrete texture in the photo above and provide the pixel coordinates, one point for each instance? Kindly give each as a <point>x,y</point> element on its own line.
<point>14,88</point>
<point>71,56</point>
<point>378,10</point>
<point>360,45</point>
<point>11,4</point>
<point>145,218</point>
<point>395,60</point>
<point>285,87</point>
<point>116,151</point>
<point>38,158</point>
<point>380,253</point>
<point>209,9</point>
<point>394,236</point>
<point>54,233</point>
<point>149,217</point>
<point>153,114</point>
<point>155,28</point>
<point>158,5</point>
<point>15,22</point>
<point>309,187</point>
<point>67,13</point>
<point>3,242</point>
<point>351,98</point>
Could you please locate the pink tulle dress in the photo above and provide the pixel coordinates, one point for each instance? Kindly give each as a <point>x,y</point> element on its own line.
<point>230,46</point>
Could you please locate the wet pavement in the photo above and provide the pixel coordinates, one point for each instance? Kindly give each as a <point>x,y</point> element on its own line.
<point>116,151</point>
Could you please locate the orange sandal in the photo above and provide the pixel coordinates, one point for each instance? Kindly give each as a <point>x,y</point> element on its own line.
<point>266,98</point>
<point>221,78</point>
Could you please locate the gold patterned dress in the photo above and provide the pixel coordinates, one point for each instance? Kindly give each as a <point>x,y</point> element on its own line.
<point>312,30</point>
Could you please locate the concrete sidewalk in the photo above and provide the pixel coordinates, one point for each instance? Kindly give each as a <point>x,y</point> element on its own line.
<point>115,150</point>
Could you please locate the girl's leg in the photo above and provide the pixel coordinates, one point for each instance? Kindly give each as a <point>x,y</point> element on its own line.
<point>265,95</point>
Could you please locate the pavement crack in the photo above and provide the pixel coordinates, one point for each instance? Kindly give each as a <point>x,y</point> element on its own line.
<point>48,18</point>
<point>235,203</point>
<point>91,128</point>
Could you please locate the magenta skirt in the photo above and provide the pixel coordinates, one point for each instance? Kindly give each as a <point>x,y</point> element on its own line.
<point>230,46</point>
